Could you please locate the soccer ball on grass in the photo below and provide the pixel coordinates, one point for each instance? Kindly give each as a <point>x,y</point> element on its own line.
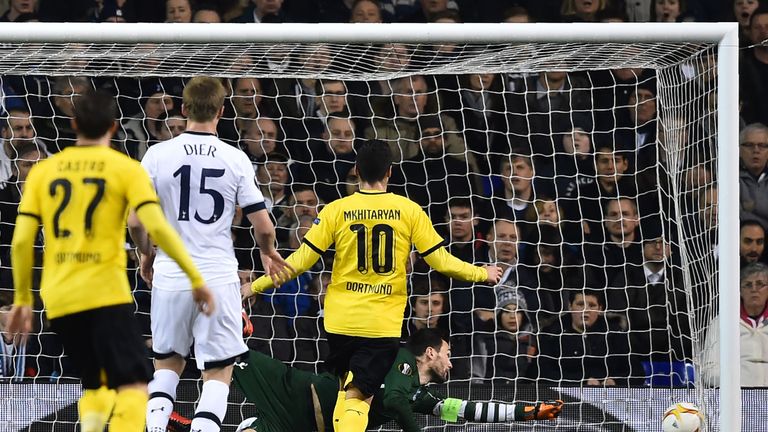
<point>682,417</point>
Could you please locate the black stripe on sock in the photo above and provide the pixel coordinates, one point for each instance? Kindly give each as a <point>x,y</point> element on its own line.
<point>161,395</point>
<point>208,415</point>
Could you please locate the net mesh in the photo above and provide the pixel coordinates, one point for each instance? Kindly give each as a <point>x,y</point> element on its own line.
<point>586,170</point>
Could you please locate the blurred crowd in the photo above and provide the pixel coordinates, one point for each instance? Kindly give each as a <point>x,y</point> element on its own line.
<point>602,212</point>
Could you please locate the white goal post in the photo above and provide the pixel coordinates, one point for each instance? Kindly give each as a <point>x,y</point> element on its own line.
<point>632,45</point>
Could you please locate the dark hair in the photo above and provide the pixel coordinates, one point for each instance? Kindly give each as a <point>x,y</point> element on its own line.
<point>751,222</point>
<point>762,9</point>
<point>516,10</point>
<point>446,14</point>
<point>461,202</point>
<point>28,147</point>
<point>374,158</point>
<point>587,292</point>
<point>94,113</point>
<point>424,338</point>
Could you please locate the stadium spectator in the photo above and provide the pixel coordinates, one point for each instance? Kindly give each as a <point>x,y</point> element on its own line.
<point>753,68</point>
<point>331,159</point>
<point>753,176</point>
<point>751,242</point>
<point>428,9</point>
<point>505,342</point>
<point>742,12</point>
<point>668,10</point>
<point>465,237</point>
<point>206,13</point>
<point>365,11</point>
<point>581,10</point>
<point>142,129</point>
<point>642,113</point>
<point>753,330</point>
<point>302,202</point>
<point>516,14</point>
<point>584,347</point>
<point>248,104</point>
<point>622,241</point>
<point>178,11</point>
<point>430,178</point>
<point>259,138</point>
<point>274,178</point>
<point>172,124</point>
<point>17,130</point>
<point>576,156</point>
<point>652,297</point>
<point>56,132</point>
<point>19,9</point>
<point>410,96</point>
<point>331,98</point>
<point>427,304</point>
<point>264,11</point>
<point>516,198</point>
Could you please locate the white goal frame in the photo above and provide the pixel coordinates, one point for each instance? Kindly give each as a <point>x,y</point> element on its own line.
<point>725,35</point>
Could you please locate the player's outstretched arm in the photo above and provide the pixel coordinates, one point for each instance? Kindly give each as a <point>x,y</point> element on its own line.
<point>151,216</point>
<point>274,265</point>
<point>301,260</point>
<point>494,412</point>
<point>22,256</point>
<point>447,264</point>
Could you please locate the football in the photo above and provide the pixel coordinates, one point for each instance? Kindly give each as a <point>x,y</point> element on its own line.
<point>682,417</point>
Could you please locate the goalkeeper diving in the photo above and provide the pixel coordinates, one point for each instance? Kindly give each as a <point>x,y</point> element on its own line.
<point>289,399</point>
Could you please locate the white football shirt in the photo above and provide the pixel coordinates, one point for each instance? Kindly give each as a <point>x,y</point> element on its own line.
<point>200,180</point>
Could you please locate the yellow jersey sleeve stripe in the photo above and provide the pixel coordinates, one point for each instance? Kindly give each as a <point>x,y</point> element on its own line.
<point>143,203</point>
<point>433,248</point>
<point>313,247</point>
<point>32,215</point>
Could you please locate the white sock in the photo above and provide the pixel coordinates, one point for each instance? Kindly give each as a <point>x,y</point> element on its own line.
<point>162,393</point>
<point>212,407</point>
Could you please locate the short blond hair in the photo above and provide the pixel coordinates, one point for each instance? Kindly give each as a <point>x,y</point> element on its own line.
<point>203,98</point>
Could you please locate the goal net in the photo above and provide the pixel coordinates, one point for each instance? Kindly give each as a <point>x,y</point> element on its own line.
<point>587,169</point>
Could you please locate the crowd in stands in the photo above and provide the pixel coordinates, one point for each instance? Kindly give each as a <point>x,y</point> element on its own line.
<point>561,178</point>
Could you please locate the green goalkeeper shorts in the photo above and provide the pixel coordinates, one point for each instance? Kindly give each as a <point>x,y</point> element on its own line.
<point>282,395</point>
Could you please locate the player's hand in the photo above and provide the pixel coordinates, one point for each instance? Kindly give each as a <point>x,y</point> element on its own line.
<point>494,274</point>
<point>246,291</point>
<point>276,268</point>
<point>19,322</point>
<point>146,269</point>
<point>204,299</point>
<point>547,410</point>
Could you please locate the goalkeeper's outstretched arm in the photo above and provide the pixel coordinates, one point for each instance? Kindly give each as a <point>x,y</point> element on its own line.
<point>496,412</point>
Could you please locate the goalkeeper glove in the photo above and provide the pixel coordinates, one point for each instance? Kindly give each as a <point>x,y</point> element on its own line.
<point>548,410</point>
<point>247,325</point>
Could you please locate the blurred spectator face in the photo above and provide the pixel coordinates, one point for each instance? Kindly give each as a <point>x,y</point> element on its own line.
<point>627,74</point>
<point>554,76</point>
<point>667,10</point>
<point>340,135</point>
<point>19,126</point>
<point>352,182</point>
<point>176,126</point>
<point>709,204</point>
<point>510,318</point>
<point>461,224</point>
<point>621,218</point>
<point>584,311</point>
<point>577,142</point>
<point>432,142</point>
<point>366,12</point>
<point>334,97</point>
<point>260,137</point>
<point>319,58</point>
<point>207,16</point>
<point>178,11</point>
<point>520,18</point>
<point>743,9</point>
<point>754,151</point>
<point>19,7</point>
<point>758,31</point>
<point>411,96</point>
<point>427,309</point>
<point>266,7</point>
<point>63,99</point>
<point>294,241</point>
<point>518,174</point>
<point>278,176</point>
<point>306,203</point>
<point>754,292</point>
<point>642,106</point>
<point>481,81</point>
<point>504,242</point>
<point>609,164</point>
<point>656,250</point>
<point>433,6</point>
<point>752,242</point>
<point>25,162</point>
<point>157,104</point>
<point>697,176</point>
<point>394,57</point>
<point>548,212</point>
<point>584,7</point>
<point>246,96</point>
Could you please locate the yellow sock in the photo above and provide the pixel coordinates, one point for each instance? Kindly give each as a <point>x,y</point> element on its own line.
<point>94,408</point>
<point>355,417</point>
<point>341,397</point>
<point>130,411</point>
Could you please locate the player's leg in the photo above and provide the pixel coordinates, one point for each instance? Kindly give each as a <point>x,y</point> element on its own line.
<point>171,317</point>
<point>369,365</point>
<point>340,349</point>
<point>218,344</point>
<point>78,338</point>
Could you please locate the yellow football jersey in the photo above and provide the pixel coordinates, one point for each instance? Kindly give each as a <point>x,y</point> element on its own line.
<point>81,196</point>
<point>373,233</point>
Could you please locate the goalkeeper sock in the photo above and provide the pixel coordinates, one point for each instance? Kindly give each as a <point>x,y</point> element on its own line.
<point>94,407</point>
<point>162,394</point>
<point>355,417</point>
<point>212,407</point>
<point>130,410</point>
